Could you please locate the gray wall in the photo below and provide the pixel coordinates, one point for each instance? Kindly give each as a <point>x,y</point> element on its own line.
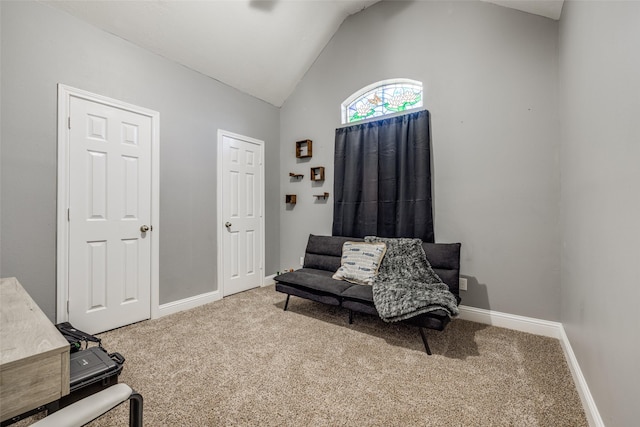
<point>490,80</point>
<point>600,98</point>
<point>41,47</point>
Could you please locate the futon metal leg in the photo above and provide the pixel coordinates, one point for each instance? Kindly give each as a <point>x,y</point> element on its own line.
<point>424,340</point>
<point>286,304</point>
<point>350,317</point>
<point>135,410</point>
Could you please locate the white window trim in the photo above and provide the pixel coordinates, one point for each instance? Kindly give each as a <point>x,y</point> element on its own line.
<point>357,94</point>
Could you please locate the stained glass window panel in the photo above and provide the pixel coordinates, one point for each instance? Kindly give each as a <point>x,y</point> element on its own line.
<point>387,97</point>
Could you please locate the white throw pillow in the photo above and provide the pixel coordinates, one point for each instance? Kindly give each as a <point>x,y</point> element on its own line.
<point>360,262</point>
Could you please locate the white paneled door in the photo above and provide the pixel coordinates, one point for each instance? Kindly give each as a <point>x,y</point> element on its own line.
<point>110,230</point>
<point>242,213</point>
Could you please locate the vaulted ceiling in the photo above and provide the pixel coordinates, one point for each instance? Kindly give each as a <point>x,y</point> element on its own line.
<point>259,47</point>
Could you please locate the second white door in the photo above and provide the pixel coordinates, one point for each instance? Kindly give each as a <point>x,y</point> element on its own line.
<point>242,213</point>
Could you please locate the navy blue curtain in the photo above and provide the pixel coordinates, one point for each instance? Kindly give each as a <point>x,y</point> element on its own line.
<point>382,181</point>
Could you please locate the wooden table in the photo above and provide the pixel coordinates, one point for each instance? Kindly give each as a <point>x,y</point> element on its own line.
<point>34,356</point>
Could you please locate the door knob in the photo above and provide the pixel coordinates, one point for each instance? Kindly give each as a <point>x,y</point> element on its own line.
<point>144,228</point>
<point>227,224</point>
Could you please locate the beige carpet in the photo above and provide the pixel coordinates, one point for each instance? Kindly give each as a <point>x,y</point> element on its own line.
<point>245,361</point>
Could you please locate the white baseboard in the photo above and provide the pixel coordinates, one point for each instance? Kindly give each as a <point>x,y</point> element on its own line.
<point>511,321</point>
<point>269,280</point>
<point>589,405</point>
<point>198,300</point>
<point>188,303</point>
<point>547,329</point>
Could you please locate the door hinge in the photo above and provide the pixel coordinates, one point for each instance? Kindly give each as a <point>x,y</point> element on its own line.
<point>68,214</point>
<point>67,306</point>
<point>69,122</point>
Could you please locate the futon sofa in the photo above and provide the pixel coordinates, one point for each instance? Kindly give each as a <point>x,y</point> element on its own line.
<point>323,258</point>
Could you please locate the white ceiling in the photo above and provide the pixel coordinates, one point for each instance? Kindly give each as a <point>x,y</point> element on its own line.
<point>260,47</point>
<point>549,8</point>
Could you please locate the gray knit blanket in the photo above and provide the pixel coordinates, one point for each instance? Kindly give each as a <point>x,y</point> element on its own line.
<point>406,285</point>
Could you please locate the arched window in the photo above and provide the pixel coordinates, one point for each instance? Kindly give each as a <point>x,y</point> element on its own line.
<point>382,98</point>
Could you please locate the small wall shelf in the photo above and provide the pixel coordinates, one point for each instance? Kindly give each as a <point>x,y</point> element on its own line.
<point>296,175</point>
<point>290,199</point>
<point>303,148</point>
<point>321,196</point>
<point>317,173</point>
